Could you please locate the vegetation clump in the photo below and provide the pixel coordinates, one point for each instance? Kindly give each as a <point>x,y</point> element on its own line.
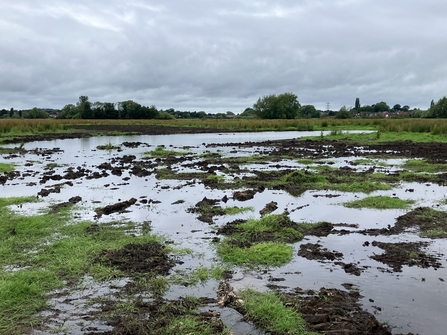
<point>5,167</point>
<point>379,202</point>
<point>260,241</point>
<point>160,151</point>
<point>269,313</point>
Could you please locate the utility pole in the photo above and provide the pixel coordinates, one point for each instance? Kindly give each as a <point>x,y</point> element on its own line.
<point>327,106</point>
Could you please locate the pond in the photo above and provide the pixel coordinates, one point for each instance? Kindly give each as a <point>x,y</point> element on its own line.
<point>409,300</point>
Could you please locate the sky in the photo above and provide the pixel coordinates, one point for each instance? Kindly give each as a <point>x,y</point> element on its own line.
<point>222,55</point>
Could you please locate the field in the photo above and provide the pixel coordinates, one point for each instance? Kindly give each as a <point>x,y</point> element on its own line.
<point>201,227</point>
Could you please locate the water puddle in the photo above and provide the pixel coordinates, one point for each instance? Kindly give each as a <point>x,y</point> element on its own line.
<point>412,300</point>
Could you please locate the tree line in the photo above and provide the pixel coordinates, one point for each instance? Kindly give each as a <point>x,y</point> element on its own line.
<point>282,106</point>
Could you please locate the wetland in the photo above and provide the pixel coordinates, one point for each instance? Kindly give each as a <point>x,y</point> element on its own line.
<point>167,231</point>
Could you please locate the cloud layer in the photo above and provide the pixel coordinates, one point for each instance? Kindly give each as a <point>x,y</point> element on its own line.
<point>220,56</point>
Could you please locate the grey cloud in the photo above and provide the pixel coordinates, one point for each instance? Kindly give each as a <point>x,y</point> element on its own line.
<point>222,55</point>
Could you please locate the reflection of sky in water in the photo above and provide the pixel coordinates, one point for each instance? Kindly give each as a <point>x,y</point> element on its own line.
<point>406,301</point>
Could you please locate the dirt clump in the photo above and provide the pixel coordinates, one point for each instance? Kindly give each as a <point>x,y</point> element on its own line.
<point>119,207</point>
<point>269,208</point>
<point>150,258</point>
<point>244,195</point>
<point>405,253</point>
<point>314,251</point>
<point>335,312</point>
<point>72,201</point>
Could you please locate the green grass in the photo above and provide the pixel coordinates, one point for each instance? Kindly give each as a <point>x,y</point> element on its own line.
<point>368,138</point>
<point>261,241</point>
<point>306,161</point>
<point>264,253</point>
<point>267,312</point>
<point>5,167</point>
<point>234,210</point>
<point>109,146</point>
<point>198,275</point>
<point>379,202</point>
<point>161,152</point>
<point>422,165</point>
<point>45,251</point>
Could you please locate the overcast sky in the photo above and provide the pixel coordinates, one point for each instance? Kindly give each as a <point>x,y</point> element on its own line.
<point>222,55</point>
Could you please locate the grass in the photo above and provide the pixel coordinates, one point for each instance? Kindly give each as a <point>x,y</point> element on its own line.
<point>160,151</point>
<point>261,241</point>
<point>267,312</point>
<point>379,202</point>
<point>422,165</point>
<point>109,146</point>
<point>200,274</point>
<point>386,129</point>
<point>45,252</point>
<point>5,167</point>
<point>264,253</point>
<point>234,210</point>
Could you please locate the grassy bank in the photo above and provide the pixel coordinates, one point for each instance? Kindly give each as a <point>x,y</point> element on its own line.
<point>436,128</point>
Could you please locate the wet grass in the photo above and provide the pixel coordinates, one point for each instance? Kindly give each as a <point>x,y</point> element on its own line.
<point>268,312</point>
<point>381,137</point>
<point>260,241</point>
<point>40,253</point>
<point>109,146</point>
<point>160,152</point>
<point>422,165</point>
<point>198,275</point>
<point>433,224</point>
<point>263,253</point>
<point>5,167</point>
<point>379,202</point>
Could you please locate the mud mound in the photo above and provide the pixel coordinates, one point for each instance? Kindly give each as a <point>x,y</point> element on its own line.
<point>315,251</point>
<point>151,258</point>
<point>405,253</point>
<point>335,312</point>
<point>117,207</point>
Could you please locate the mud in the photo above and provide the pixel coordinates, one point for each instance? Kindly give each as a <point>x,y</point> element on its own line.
<point>334,312</point>
<point>150,258</point>
<point>118,207</point>
<point>405,253</point>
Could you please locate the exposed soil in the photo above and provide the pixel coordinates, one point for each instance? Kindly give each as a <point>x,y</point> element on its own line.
<point>315,251</point>
<point>150,258</point>
<point>424,219</point>
<point>335,312</point>
<point>158,317</point>
<point>405,253</point>
<point>118,207</point>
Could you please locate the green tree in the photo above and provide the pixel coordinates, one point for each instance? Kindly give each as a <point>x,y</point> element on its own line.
<point>381,107</point>
<point>84,107</point>
<point>439,110</point>
<point>36,113</point>
<point>69,111</point>
<point>283,106</point>
<point>343,113</point>
<point>129,110</point>
<point>397,107</point>
<point>309,111</point>
<point>357,104</point>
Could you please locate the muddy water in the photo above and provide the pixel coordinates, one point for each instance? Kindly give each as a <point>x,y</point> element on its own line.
<point>409,301</point>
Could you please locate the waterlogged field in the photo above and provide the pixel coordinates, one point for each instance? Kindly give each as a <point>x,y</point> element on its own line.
<point>246,233</point>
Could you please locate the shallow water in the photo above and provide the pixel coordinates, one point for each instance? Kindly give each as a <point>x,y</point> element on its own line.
<point>410,301</point>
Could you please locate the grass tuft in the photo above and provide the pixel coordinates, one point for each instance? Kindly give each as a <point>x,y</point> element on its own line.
<point>379,202</point>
